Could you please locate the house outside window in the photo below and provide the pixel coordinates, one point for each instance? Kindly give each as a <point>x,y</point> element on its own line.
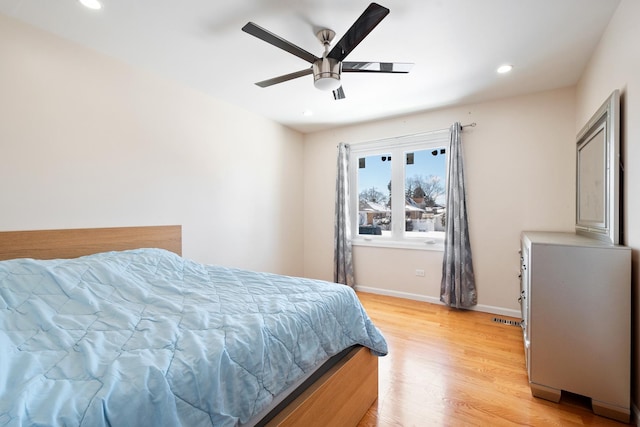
<point>397,188</point>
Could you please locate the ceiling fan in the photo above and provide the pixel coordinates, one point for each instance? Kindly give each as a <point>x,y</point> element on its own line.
<point>327,69</point>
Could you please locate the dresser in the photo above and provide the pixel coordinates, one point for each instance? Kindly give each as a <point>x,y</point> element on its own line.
<point>576,310</point>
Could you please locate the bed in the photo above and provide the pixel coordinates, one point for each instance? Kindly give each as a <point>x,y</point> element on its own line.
<point>113,327</point>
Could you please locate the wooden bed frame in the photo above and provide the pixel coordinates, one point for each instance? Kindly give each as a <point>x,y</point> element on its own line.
<point>340,397</point>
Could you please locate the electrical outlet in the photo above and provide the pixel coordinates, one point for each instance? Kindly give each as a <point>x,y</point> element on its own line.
<point>420,272</point>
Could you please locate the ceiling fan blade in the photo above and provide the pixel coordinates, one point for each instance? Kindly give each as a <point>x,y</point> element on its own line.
<point>269,37</point>
<point>285,78</point>
<point>371,17</point>
<point>338,94</point>
<point>376,67</point>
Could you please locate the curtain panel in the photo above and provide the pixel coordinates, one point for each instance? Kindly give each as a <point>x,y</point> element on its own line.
<point>458,288</point>
<point>342,259</point>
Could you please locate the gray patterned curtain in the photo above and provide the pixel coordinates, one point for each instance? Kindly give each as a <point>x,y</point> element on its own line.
<point>342,264</point>
<point>458,287</point>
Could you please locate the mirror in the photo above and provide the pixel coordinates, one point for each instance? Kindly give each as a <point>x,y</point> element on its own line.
<point>598,174</point>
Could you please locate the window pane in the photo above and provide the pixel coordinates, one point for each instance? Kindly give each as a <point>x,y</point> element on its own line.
<point>424,190</point>
<point>374,195</point>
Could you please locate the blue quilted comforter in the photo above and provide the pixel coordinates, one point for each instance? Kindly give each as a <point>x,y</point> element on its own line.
<point>147,338</point>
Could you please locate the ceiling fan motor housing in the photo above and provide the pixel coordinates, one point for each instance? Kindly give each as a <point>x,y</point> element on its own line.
<point>326,73</point>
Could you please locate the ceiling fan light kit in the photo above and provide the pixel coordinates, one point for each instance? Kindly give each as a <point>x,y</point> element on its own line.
<point>326,74</point>
<point>91,4</point>
<point>327,69</point>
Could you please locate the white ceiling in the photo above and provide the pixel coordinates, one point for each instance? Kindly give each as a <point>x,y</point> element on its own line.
<point>456,46</point>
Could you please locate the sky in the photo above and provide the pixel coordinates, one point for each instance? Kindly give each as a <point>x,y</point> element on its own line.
<point>377,172</point>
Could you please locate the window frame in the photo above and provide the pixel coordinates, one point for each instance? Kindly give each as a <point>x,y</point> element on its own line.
<point>397,147</point>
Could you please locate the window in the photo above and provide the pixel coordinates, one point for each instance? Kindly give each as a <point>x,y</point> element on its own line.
<point>398,191</point>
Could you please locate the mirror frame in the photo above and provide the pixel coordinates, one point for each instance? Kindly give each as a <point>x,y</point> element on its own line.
<point>598,173</point>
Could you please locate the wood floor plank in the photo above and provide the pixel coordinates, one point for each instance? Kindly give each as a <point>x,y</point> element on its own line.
<point>450,367</point>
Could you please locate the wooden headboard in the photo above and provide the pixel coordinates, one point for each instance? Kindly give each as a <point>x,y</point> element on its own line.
<point>72,243</point>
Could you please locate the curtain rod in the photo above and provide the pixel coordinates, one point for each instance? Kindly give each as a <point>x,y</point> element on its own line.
<point>431,132</point>
<point>473,124</point>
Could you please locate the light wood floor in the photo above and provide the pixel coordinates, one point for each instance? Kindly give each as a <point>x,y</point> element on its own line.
<point>458,368</point>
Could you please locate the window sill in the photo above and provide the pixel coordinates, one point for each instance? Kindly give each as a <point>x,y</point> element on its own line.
<point>418,244</point>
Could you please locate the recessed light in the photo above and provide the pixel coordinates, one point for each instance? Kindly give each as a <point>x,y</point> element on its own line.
<point>505,68</point>
<point>91,4</point>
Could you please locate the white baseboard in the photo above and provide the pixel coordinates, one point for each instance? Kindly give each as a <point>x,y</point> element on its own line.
<point>424,298</point>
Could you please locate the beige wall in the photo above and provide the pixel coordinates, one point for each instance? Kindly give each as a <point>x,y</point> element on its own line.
<point>520,175</point>
<point>616,65</point>
<point>88,141</point>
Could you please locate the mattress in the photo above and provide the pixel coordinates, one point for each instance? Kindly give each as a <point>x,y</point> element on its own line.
<point>148,338</point>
